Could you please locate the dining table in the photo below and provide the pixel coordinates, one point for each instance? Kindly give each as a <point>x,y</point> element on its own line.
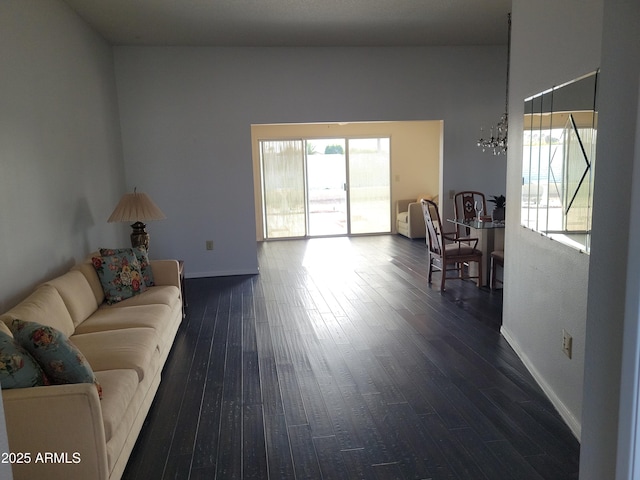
<point>490,237</point>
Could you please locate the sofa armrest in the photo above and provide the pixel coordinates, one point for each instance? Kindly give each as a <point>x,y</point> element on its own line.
<point>61,430</point>
<point>165,272</point>
<point>403,206</point>
<point>417,227</point>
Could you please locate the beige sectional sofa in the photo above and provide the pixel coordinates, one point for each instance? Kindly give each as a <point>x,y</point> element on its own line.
<point>126,344</point>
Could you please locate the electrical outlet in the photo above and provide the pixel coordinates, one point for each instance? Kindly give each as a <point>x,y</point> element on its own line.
<point>567,343</point>
<point>209,244</point>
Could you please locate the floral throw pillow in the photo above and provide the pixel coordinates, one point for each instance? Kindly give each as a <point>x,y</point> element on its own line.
<point>143,259</point>
<point>18,369</point>
<point>119,274</point>
<point>60,359</point>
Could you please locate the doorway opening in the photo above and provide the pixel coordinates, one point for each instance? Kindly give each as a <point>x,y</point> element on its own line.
<point>308,205</point>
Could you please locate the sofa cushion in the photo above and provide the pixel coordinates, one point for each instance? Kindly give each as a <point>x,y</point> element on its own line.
<point>120,275</point>
<point>119,387</point>
<point>89,272</point>
<point>403,217</point>
<point>129,348</point>
<point>44,306</point>
<point>160,294</point>
<point>18,369</point>
<point>151,316</point>
<point>60,360</point>
<point>143,259</point>
<point>76,292</point>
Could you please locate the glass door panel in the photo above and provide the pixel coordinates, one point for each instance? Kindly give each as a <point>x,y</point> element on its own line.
<point>369,185</point>
<point>283,188</point>
<point>326,187</point>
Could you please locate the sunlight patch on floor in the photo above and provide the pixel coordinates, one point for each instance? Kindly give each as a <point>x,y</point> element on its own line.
<point>329,254</point>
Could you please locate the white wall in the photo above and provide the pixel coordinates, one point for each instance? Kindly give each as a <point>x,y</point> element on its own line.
<point>61,170</point>
<point>628,449</point>
<point>613,315</point>
<point>187,115</point>
<point>546,282</point>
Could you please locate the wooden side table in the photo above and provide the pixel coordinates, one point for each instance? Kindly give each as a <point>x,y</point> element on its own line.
<point>183,289</point>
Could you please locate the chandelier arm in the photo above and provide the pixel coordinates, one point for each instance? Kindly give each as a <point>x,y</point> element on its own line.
<point>498,143</point>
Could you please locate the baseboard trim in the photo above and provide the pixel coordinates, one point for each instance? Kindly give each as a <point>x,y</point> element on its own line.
<point>223,273</point>
<point>572,422</point>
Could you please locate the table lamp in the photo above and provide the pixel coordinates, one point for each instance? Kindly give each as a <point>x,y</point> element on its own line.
<point>137,207</point>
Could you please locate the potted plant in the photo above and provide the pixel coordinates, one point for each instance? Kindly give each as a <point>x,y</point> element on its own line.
<point>499,202</point>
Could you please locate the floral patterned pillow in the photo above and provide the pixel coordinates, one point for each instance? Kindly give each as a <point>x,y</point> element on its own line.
<point>119,274</point>
<point>18,369</point>
<point>143,259</point>
<point>60,359</point>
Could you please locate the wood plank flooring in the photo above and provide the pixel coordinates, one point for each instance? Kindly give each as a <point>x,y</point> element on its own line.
<point>339,361</point>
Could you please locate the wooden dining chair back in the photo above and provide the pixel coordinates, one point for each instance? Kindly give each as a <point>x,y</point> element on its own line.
<point>448,249</point>
<point>465,204</point>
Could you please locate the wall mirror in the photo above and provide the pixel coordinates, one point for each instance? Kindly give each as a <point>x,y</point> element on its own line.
<point>558,161</point>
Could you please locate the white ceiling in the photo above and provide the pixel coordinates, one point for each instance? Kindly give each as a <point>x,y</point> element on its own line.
<point>297,22</point>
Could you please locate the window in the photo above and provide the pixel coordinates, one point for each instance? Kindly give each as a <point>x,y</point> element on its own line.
<point>559,147</point>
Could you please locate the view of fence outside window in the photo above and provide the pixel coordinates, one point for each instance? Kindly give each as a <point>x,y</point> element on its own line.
<point>559,149</point>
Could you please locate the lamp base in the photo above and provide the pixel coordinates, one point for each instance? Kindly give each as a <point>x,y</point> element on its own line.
<point>139,236</point>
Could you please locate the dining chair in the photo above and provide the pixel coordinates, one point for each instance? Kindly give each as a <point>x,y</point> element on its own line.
<point>465,204</point>
<point>448,248</point>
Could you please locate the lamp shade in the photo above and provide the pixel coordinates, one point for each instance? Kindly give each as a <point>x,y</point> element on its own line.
<point>136,207</point>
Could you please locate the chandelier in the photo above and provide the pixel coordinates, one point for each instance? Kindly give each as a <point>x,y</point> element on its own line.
<point>497,140</point>
<point>498,137</point>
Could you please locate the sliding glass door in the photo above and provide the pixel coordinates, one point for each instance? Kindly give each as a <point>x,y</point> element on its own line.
<point>369,185</point>
<point>323,187</point>
<point>283,188</point>
<point>327,187</point>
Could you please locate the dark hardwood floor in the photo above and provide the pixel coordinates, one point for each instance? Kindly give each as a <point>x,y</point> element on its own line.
<point>340,361</point>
